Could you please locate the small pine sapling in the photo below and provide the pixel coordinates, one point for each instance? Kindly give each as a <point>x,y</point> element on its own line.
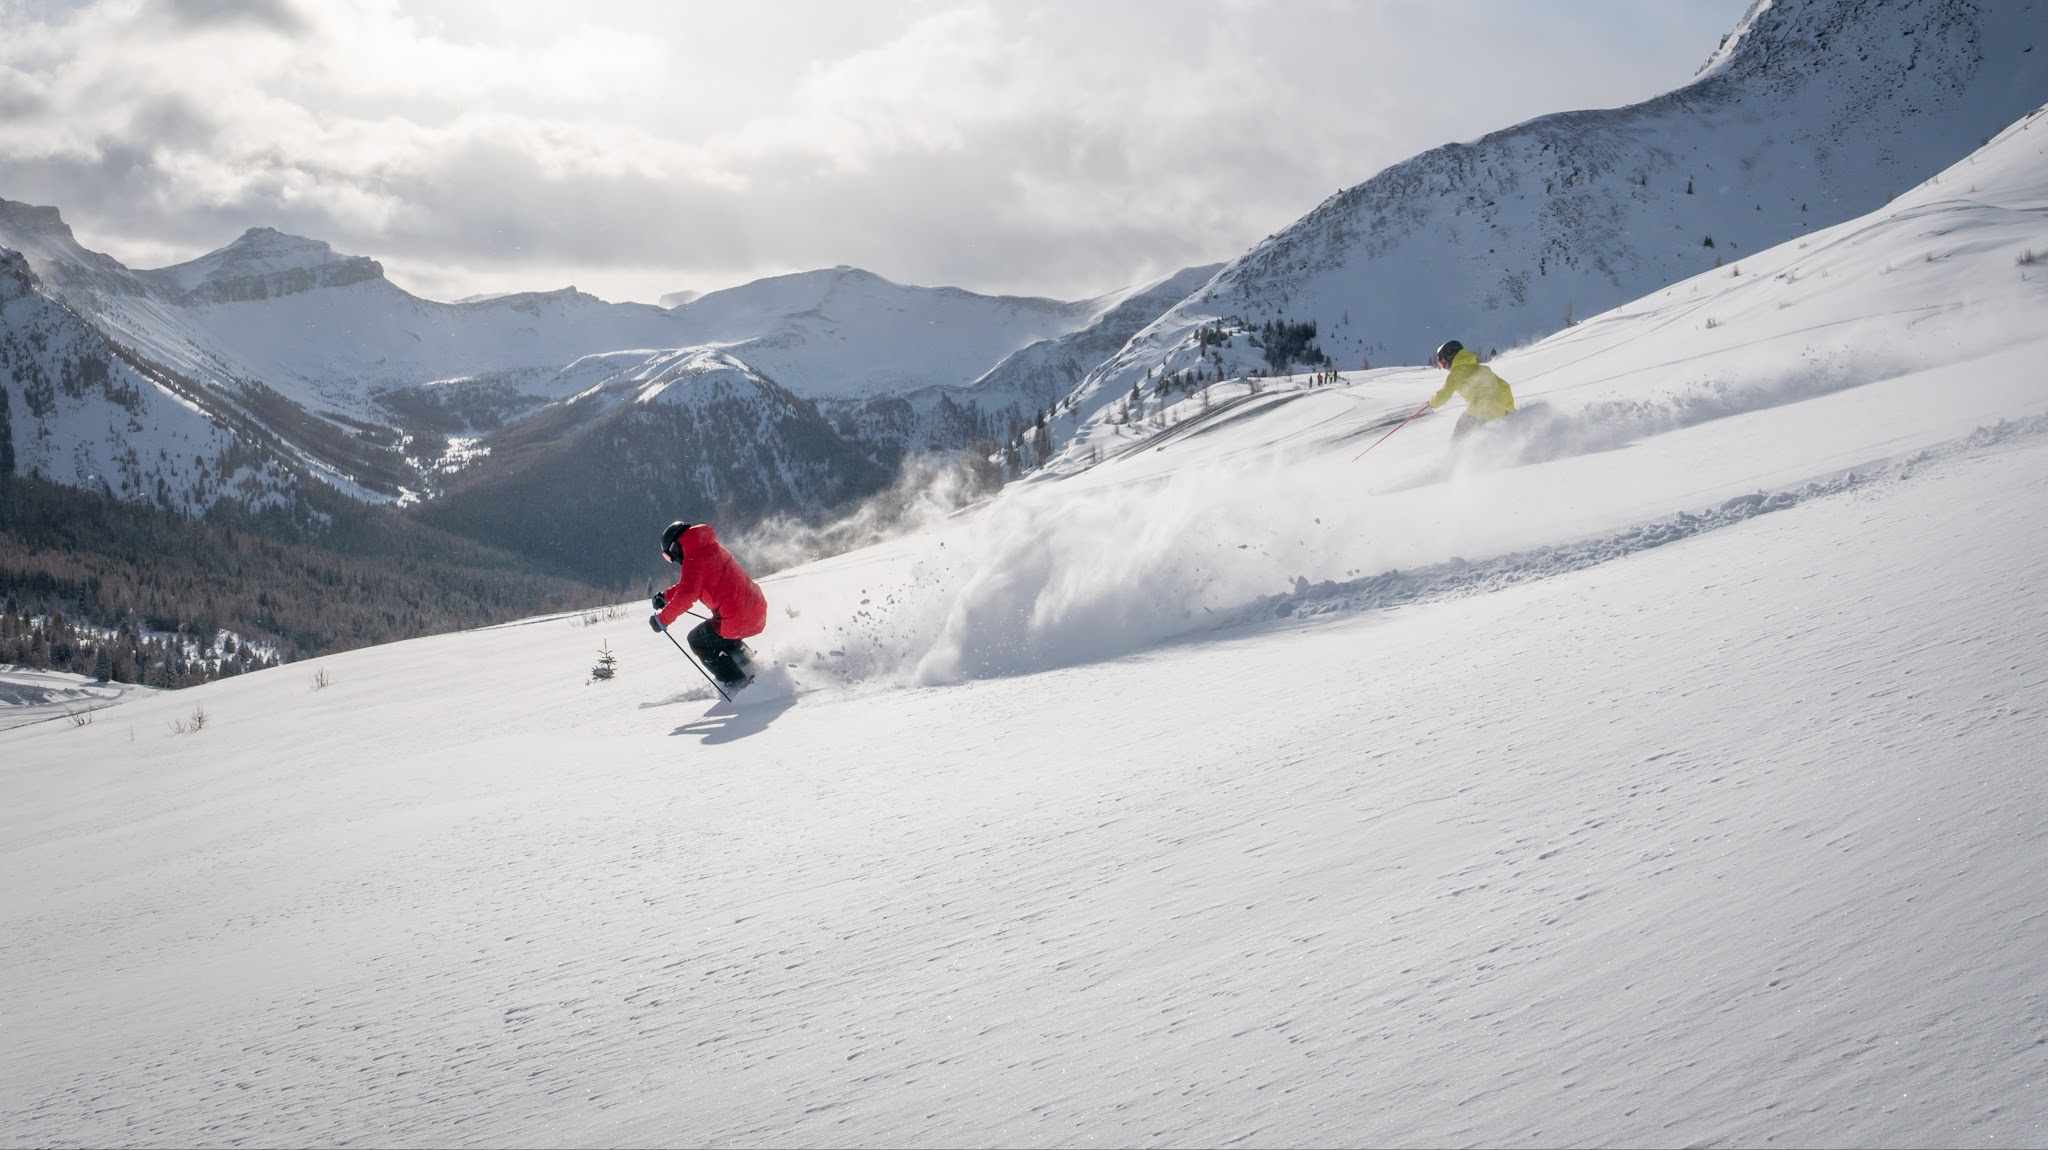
<point>607,665</point>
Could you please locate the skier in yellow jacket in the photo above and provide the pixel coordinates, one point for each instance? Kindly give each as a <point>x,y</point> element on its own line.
<point>1486,395</point>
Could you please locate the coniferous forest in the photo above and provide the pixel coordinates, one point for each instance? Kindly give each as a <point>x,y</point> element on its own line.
<point>140,595</point>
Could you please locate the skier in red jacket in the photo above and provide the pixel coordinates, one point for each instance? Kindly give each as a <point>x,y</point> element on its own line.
<point>712,576</point>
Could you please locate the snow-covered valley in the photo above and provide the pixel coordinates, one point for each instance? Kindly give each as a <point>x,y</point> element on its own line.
<point>1661,767</point>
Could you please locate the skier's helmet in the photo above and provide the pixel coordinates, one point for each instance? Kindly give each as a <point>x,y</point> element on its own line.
<point>671,537</point>
<point>1448,352</point>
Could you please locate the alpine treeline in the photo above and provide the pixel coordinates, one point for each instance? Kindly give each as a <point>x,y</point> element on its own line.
<point>138,594</point>
<point>50,642</point>
<point>1286,344</point>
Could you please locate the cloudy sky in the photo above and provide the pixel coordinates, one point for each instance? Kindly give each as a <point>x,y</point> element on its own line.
<point>642,148</point>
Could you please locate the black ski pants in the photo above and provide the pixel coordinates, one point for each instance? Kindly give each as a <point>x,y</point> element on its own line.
<point>723,657</point>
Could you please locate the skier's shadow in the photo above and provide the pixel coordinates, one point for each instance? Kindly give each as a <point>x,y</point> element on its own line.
<point>723,726</point>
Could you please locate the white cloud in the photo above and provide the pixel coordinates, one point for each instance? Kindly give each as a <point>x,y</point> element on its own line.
<point>1054,148</point>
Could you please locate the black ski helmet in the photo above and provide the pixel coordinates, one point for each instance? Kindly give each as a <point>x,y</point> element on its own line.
<point>1448,352</point>
<point>669,536</point>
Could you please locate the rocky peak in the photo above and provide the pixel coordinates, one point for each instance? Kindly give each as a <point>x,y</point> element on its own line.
<point>263,263</point>
<point>21,220</point>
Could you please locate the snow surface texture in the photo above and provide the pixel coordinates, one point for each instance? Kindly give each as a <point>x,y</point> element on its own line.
<point>1667,771</point>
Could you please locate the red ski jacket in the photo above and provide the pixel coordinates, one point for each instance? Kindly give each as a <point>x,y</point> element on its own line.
<point>712,576</point>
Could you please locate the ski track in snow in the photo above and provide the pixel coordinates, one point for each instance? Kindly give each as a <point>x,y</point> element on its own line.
<point>1460,577</point>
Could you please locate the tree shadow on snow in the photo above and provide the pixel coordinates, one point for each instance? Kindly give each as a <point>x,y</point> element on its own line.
<point>726,722</point>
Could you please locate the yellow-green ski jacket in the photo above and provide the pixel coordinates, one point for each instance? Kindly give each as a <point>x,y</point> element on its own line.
<point>1486,395</point>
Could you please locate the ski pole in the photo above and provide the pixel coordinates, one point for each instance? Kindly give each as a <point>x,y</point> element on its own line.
<point>700,668</point>
<point>1390,434</point>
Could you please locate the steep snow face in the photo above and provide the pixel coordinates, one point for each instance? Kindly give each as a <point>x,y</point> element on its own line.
<point>74,411</point>
<point>41,235</point>
<point>128,308</point>
<point>1811,113</point>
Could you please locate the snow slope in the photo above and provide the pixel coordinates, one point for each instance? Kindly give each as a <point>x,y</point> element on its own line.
<point>1665,772</point>
<point>1812,112</point>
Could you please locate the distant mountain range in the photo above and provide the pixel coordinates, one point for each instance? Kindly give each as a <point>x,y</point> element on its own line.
<point>276,361</point>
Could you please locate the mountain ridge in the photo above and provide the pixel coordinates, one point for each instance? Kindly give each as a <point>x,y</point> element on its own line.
<point>1808,113</point>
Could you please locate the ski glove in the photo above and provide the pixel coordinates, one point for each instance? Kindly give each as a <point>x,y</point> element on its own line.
<point>654,621</point>
<point>659,602</point>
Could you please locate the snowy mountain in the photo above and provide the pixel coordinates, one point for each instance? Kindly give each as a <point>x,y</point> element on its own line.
<point>1025,382</point>
<point>328,330</point>
<point>1048,370</point>
<point>847,334</point>
<point>1811,112</point>
<point>263,264</point>
<point>94,418</point>
<point>1661,769</point>
<point>138,319</point>
<point>586,483</point>
<point>385,394</point>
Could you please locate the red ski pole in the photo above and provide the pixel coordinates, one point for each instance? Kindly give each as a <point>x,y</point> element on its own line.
<point>1390,434</point>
